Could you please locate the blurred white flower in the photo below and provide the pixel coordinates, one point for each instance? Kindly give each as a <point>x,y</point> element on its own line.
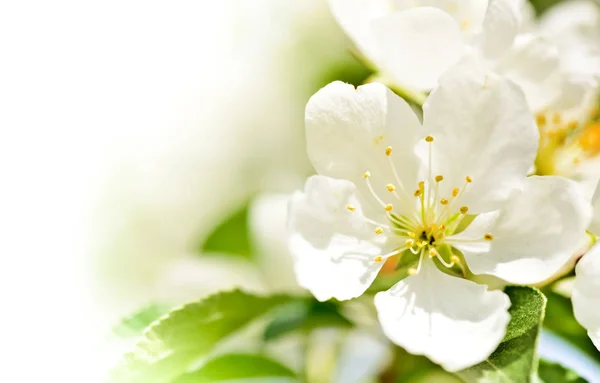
<point>212,113</point>
<point>569,126</point>
<point>586,293</point>
<point>389,186</point>
<point>414,42</point>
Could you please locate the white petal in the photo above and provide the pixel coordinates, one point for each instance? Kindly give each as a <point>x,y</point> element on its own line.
<point>355,17</point>
<point>535,234</point>
<point>586,293</point>
<point>482,129</point>
<point>268,216</point>
<point>500,26</point>
<point>595,226</point>
<point>348,131</point>
<point>333,247</point>
<point>454,322</point>
<point>468,14</point>
<point>418,45</point>
<point>533,64</point>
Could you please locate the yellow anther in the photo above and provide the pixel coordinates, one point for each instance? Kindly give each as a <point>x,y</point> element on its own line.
<point>540,119</point>
<point>412,271</point>
<point>350,207</point>
<point>468,179</point>
<point>454,259</point>
<point>390,187</point>
<point>422,244</point>
<point>378,259</point>
<point>442,227</point>
<point>409,243</point>
<point>367,175</point>
<point>439,178</point>
<point>464,209</point>
<point>422,185</point>
<point>388,151</point>
<point>417,192</point>
<point>444,201</point>
<point>488,237</point>
<point>411,234</point>
<point>455,192</point>
<point>572,125</point>
<point>378,230</point>
<point>432,253</point>
<point>556,118</point>
<point>465,24</point>
<point>429,138</point>
<point>388,207</point>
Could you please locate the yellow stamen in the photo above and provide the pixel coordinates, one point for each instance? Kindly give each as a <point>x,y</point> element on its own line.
<point>409,243</point>
<point>378,230</point>
<point>429,139</point>
<point>468,179</point>
<point>367,174</point>
<point>390,187</point>
<point>439,178</point>
<point>540,119</point>
<point>417,192</point>
<point>350,207</point>
<point>556,118</point>
<point>388,151</point>
<point>432,253</point>
<point>378,259</point>
<point>444,201</point>
<point>388,207</point>
<point>411,234</point>
<point>455,192</point>
<point>454,259</point>
<point>464,209</point>
<point>412,271</point>
<point>488,237</point>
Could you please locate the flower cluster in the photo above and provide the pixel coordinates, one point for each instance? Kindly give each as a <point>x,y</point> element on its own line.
<point>477,188</point>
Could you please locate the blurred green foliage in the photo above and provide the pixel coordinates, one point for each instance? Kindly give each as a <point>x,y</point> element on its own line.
<point>555,373</point>
<point>236,367</point>
<point>561,320</point>
<point>171,346</point>
<point>305,314</point>
<point>231,236</point>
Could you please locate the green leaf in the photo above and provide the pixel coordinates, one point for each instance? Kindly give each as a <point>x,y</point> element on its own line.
<point>171,345</point>
<point>555,373</point>
<point>236,366</point>
<point>134,324</point>
<point>305,314</point>
<point>514,361</point>
<point>231,236</point>
<point>561,320</point>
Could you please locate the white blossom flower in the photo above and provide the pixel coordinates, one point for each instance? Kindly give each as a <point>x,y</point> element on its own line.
<point>586,290</point>
<point>390,186</point>
<point>570,125</point>
<point>415,41</point>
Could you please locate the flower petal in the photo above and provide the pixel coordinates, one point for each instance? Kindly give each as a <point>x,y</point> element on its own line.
<point>431,313</point>
<point>333,248</point>
<point>267,223</point>
<point>355,16</point>
<point>482,129</point>
<point>533,63</point>
<point>535,234</point>
<point>416,46</point>
<point>500,26</point>
<point>348,130</point>
<point>586,293</point>
<point>595,226</point>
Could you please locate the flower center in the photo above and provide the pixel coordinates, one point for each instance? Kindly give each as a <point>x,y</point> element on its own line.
<point>425,218</point>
